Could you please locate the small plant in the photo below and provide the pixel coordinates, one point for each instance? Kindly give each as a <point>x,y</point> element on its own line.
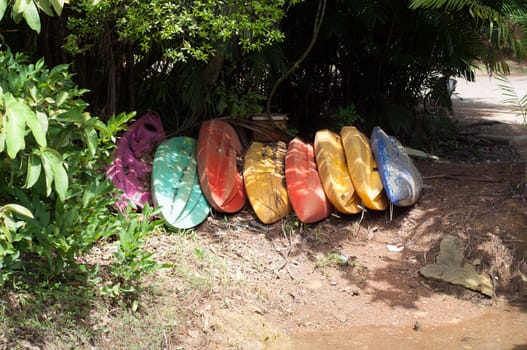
<point>10,235</point>
<point>318,235</point>
<point>345,116</point>
<point>131,261</point>
<point>332,259</point>
<point>292,224</point>
<point>518,105</point>
<point>200,253</point>
<point>238,103</point>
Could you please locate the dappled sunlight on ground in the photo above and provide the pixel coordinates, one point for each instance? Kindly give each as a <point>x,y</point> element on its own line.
<point>339,283</point>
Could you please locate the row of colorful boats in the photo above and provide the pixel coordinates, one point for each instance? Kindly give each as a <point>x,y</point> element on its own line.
<point>187,177</point>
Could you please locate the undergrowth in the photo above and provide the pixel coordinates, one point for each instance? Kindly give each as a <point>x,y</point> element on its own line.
<point>56,207</point>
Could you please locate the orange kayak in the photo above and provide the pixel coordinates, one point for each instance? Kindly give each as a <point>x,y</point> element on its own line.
<point>362,168</point>
<point>303,183</point>
<point>263,175</point>
<point>217,150</point>
<point>334,174</point>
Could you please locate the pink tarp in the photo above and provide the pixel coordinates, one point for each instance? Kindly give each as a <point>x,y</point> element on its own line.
<point>132,165</point>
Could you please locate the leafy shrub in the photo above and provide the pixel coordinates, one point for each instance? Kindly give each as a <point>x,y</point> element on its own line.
<point>344,116</point>
<point>9,235</point>
<point>130,262</point>
<point>52,168</point>
<point>183,29</point>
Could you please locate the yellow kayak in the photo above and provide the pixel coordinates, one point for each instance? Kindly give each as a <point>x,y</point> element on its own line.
<point>334,174</point>
<point>362,168</point>
<point>263,176</point>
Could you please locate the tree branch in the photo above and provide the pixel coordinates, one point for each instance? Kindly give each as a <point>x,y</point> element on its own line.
<point>316,29</point>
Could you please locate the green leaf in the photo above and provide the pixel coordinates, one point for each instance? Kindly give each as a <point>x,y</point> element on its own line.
<point>72,116</point>
<point>58,5</point>
<point>21,210</point>
<point>16,16</point>
<point>15,126</point>
<point>100,125</point>
<point>2,135</point>
<point>39,133</point>
<point>48,172</point>
<point>61,181</point>
<point>3,6</point>
<point>63,139</point>
<point>20,6</point>
<point>20,108</point>
<point>45,6</point>
<point>39,65</point>
<point>43,120</point>
<point>32,17</point>
<point>55,172</point>
<point>62,97</point>
<point>9,228</point>
<point>33,92</point>
<point>92,140</point>
<point>20,236</point>
<point>34,169</point>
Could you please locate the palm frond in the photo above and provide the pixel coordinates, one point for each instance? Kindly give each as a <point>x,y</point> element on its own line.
<point>517,104</point>
<point>523,100</point>
<point>515,8</point>
<point>476,9</point>
<point>496,18</point>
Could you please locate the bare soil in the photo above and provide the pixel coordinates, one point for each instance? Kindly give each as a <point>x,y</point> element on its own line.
<point>336,284</point>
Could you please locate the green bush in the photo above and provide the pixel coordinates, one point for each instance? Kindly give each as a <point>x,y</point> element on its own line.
<point>182,29</point>
<point>53,156</point>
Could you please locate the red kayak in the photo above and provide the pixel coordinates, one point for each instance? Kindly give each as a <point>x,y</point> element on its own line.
<point>217,151</point>
<point>304,186</point>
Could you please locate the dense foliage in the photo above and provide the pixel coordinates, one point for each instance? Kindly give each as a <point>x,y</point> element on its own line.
<point>173,54</point>
<point>198,59</point>
<point>181,30</point>
<point>380,56</point>
<point>56,201</point>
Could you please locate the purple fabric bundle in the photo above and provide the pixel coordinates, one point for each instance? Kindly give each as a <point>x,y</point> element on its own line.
<point>132,165</point>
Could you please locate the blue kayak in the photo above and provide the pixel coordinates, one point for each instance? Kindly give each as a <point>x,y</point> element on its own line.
<point>402,181</point>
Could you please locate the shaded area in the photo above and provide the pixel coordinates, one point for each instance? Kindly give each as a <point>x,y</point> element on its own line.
<point>33,316</point>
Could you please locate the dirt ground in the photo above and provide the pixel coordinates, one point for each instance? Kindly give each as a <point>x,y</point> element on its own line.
<point>328,284</point>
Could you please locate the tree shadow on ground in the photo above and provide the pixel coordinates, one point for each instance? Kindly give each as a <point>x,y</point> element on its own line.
<point>35,313</point>
<point>467,203</point>
<point>470,191</point>
<point>464,195</point>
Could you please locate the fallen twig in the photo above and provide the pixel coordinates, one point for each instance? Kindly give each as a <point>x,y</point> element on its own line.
<point>460,177</point>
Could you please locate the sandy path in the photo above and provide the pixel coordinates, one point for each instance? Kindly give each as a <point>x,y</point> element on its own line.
<point>485,98</point>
